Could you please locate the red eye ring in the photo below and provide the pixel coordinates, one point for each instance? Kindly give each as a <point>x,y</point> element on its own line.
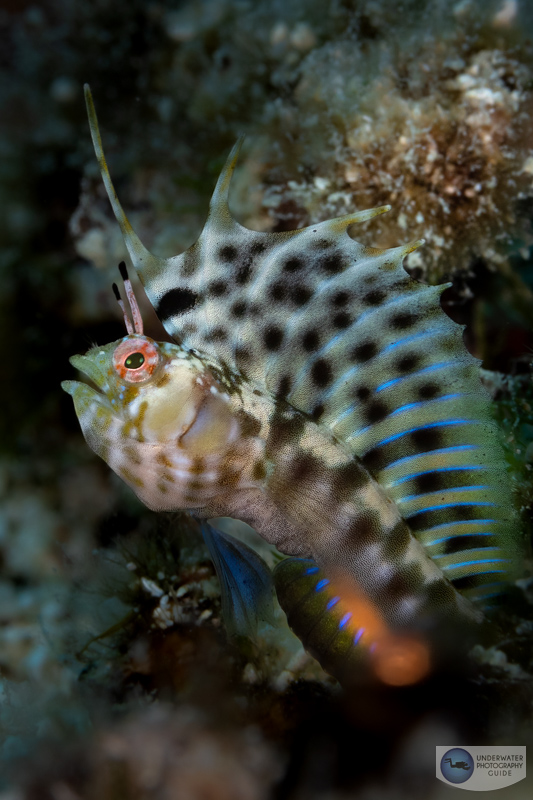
<point>136,358</point>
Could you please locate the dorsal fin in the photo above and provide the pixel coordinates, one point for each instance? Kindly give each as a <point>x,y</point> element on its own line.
<point>340,332</point>
<point>219,206</point>
<point>141,258</point>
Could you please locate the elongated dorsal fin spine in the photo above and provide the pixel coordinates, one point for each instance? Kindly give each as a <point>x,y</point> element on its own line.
<point>218,206</point>
<point>140,256</point>
<point>339,224</point>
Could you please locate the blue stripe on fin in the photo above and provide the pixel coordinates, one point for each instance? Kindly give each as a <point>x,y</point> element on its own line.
<point>479,561</point>
<point>441,451</point>
<point>410,477</point>
<point>458,536</point>
<point>409,498</point>
<point>460,522</point>
<point>432,368</point>
<point>478,550</point>
<point>439,424</point>
<point>425,403</point>
<point>345,620</point>
<point>415,337</point>
<point>358,635</point>
<point>449,505</point>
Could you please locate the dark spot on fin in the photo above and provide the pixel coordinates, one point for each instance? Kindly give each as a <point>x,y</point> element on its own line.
<point>374,298</point>
<point>340,298</point>
<point>362,393</point>
<point>333,264</point>
<point>364,352</point>
<point>239,309</point>
<point>277,291</point>
<point>403,320</point>
<point>217,334</point>
<point>341,320</point>
<point>317,412</point>
<point>409,362</point>
<point>227,253</point>
<point>321,373</point>
<point>460,544</point>
<point>430,482</point>
<point>176,301</point>
<point>243,274</point>
<point>300,295</point>
<point>218,288</point>
<point>310,341</point>
<point>284,386</point>
<point>425,439</point>
<point>376,412</point>
<point>273,337</point>
<point>293,264</point>
<point>428,391</point>
<point>471,581</point>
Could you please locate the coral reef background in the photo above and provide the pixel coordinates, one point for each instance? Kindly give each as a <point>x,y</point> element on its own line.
<point>116,678</point>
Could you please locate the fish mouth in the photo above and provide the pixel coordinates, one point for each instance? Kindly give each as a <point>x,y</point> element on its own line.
<point>91,370</point>
<point>94,389</point>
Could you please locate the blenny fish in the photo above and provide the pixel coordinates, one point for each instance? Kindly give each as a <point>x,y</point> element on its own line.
<point>320,394</point>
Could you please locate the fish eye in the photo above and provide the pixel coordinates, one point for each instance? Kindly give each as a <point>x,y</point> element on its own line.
<point>136,359</point>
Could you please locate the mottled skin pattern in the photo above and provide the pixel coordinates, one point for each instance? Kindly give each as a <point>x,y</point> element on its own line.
<point>320,394</point>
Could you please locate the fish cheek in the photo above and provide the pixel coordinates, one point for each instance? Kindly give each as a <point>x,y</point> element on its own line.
<point>168,412</point>
<point>212,430</point>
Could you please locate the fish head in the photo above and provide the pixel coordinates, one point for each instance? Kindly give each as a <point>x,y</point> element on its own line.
<point>154,412</point>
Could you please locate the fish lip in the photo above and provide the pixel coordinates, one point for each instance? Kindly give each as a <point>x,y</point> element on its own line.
<point>91,370</point>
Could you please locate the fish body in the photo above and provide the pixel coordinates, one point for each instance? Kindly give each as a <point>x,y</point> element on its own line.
<point>320,394</point>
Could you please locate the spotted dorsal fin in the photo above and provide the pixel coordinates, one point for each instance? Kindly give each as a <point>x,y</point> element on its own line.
<point>231,273</point>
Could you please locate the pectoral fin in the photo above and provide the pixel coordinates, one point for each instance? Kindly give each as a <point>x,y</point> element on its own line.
<point>245,582</point>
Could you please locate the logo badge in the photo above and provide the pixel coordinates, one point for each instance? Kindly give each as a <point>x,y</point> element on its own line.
<point>480,769</point>
<point>457,765</point>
